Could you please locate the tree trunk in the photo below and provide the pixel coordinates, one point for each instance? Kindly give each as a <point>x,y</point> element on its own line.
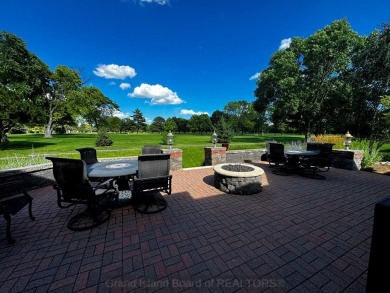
<point>3,136</point>
<point>49,127</point>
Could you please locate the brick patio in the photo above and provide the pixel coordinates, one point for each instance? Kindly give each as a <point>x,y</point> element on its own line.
<point>297,235</point>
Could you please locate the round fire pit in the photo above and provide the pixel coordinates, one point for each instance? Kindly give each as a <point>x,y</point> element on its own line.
<point>238,178</point>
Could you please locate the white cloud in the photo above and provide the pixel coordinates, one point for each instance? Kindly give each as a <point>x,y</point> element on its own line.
<point>161,2</point>
<point>112,83</point>
<point>114,71</point>
<point>285,43</point>
<point>192,112</point>
<point>124,85</point>
<point>158,94</point>
<point>121,115</point>
<point>255,76</point>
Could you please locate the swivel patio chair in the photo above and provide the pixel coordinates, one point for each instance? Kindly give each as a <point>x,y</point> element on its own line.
<point>320,163</point>
<point>151,149</point>
<point>278,159</point>
<point>88,155</point>
<point>264,157</point>
<point>152,177</point>
<point>313,146</point>
<point>74,188</point>
<point>12,200</point>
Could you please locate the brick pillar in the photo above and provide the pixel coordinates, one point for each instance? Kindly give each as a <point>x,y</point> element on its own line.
<point>214,156</point>
<point>176,158</point>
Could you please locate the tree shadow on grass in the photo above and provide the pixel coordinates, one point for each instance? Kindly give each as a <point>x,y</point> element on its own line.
<point>24,145</point>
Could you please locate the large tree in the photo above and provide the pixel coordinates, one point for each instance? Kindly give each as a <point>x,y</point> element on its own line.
<point>200,123</point>
<point>371,79</point>
<point>157,124</point>
<point>91,103</point>
<point>23,79</point>
<point>241,115</point>
<point>302,81</point>
<point>139,120</point>
<point>64,86</point>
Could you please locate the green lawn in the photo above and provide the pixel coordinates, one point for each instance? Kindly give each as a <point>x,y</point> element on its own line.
<point>29,149</point>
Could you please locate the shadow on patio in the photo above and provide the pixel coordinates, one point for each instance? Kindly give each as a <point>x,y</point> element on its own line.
<point>297,235</point>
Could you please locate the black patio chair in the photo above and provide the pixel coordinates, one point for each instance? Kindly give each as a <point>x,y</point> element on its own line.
<point>320,163</point>
<point>152,178</point>
<point>73,187</point>
<point>278,159</point>
<point>88,155</point>
<point>264,157</point>
<point>313,146</point>
<point>151,149</point>
<point>12,200</point>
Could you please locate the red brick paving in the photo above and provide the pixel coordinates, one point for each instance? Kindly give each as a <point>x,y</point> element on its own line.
<point>297,235</point>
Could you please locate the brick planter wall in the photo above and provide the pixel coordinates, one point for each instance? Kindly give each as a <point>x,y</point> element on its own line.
<point>347,159</point>
<point>214,155</point>
<point>176,158</point>
<point>343,159</point>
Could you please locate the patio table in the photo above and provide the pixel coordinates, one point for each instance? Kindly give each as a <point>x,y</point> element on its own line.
<point>120,171</point>
<point>294,156</point>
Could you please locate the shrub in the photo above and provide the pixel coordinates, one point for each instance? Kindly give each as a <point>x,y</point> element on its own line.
<point>224,132</point>
<point>103,139</point>
<point>370,159</point>
<point>295,146</point>
<point>337,140</point>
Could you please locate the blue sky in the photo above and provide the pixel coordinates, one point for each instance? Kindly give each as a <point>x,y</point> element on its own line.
<point>175,57</point>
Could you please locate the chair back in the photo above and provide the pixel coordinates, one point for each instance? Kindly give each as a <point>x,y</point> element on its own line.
<point>154,165</point>
<point>276,153</point>
<point>151,149</point>
<point>267,145</point>
<point>324,157</point>
<point>88,155</point>
<point>71,177</point>
<point>314,146</point>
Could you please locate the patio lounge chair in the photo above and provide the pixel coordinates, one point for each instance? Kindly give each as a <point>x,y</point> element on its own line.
<point>152,177</point>
<point>151,149</point>
<point>73,188</point>
<point>12,200</point>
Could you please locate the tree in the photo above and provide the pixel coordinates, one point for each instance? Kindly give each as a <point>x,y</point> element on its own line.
<point>112,123</point>
<point>301,81</point>
<point>200,123</point>
<point>217,116</point>
<point>139,120</point>
<point>127,125</point>
<point>242,115</point>
<point>170,125</point>
<point>224,132</point>
<point>157,124</point>
<point>371,77</point>
<point>23,78</point>
<point>182,124</point>
<point>64,83</point>
<point>91,103</point>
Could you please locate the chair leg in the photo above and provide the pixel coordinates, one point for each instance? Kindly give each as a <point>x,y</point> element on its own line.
<point>7,217</point>
<point>29,206</point>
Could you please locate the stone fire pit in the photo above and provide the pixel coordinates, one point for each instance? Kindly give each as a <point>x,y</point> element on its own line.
<point>238,178</point>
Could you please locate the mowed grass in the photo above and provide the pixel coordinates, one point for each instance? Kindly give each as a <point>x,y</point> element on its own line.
<point>31,149</point>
